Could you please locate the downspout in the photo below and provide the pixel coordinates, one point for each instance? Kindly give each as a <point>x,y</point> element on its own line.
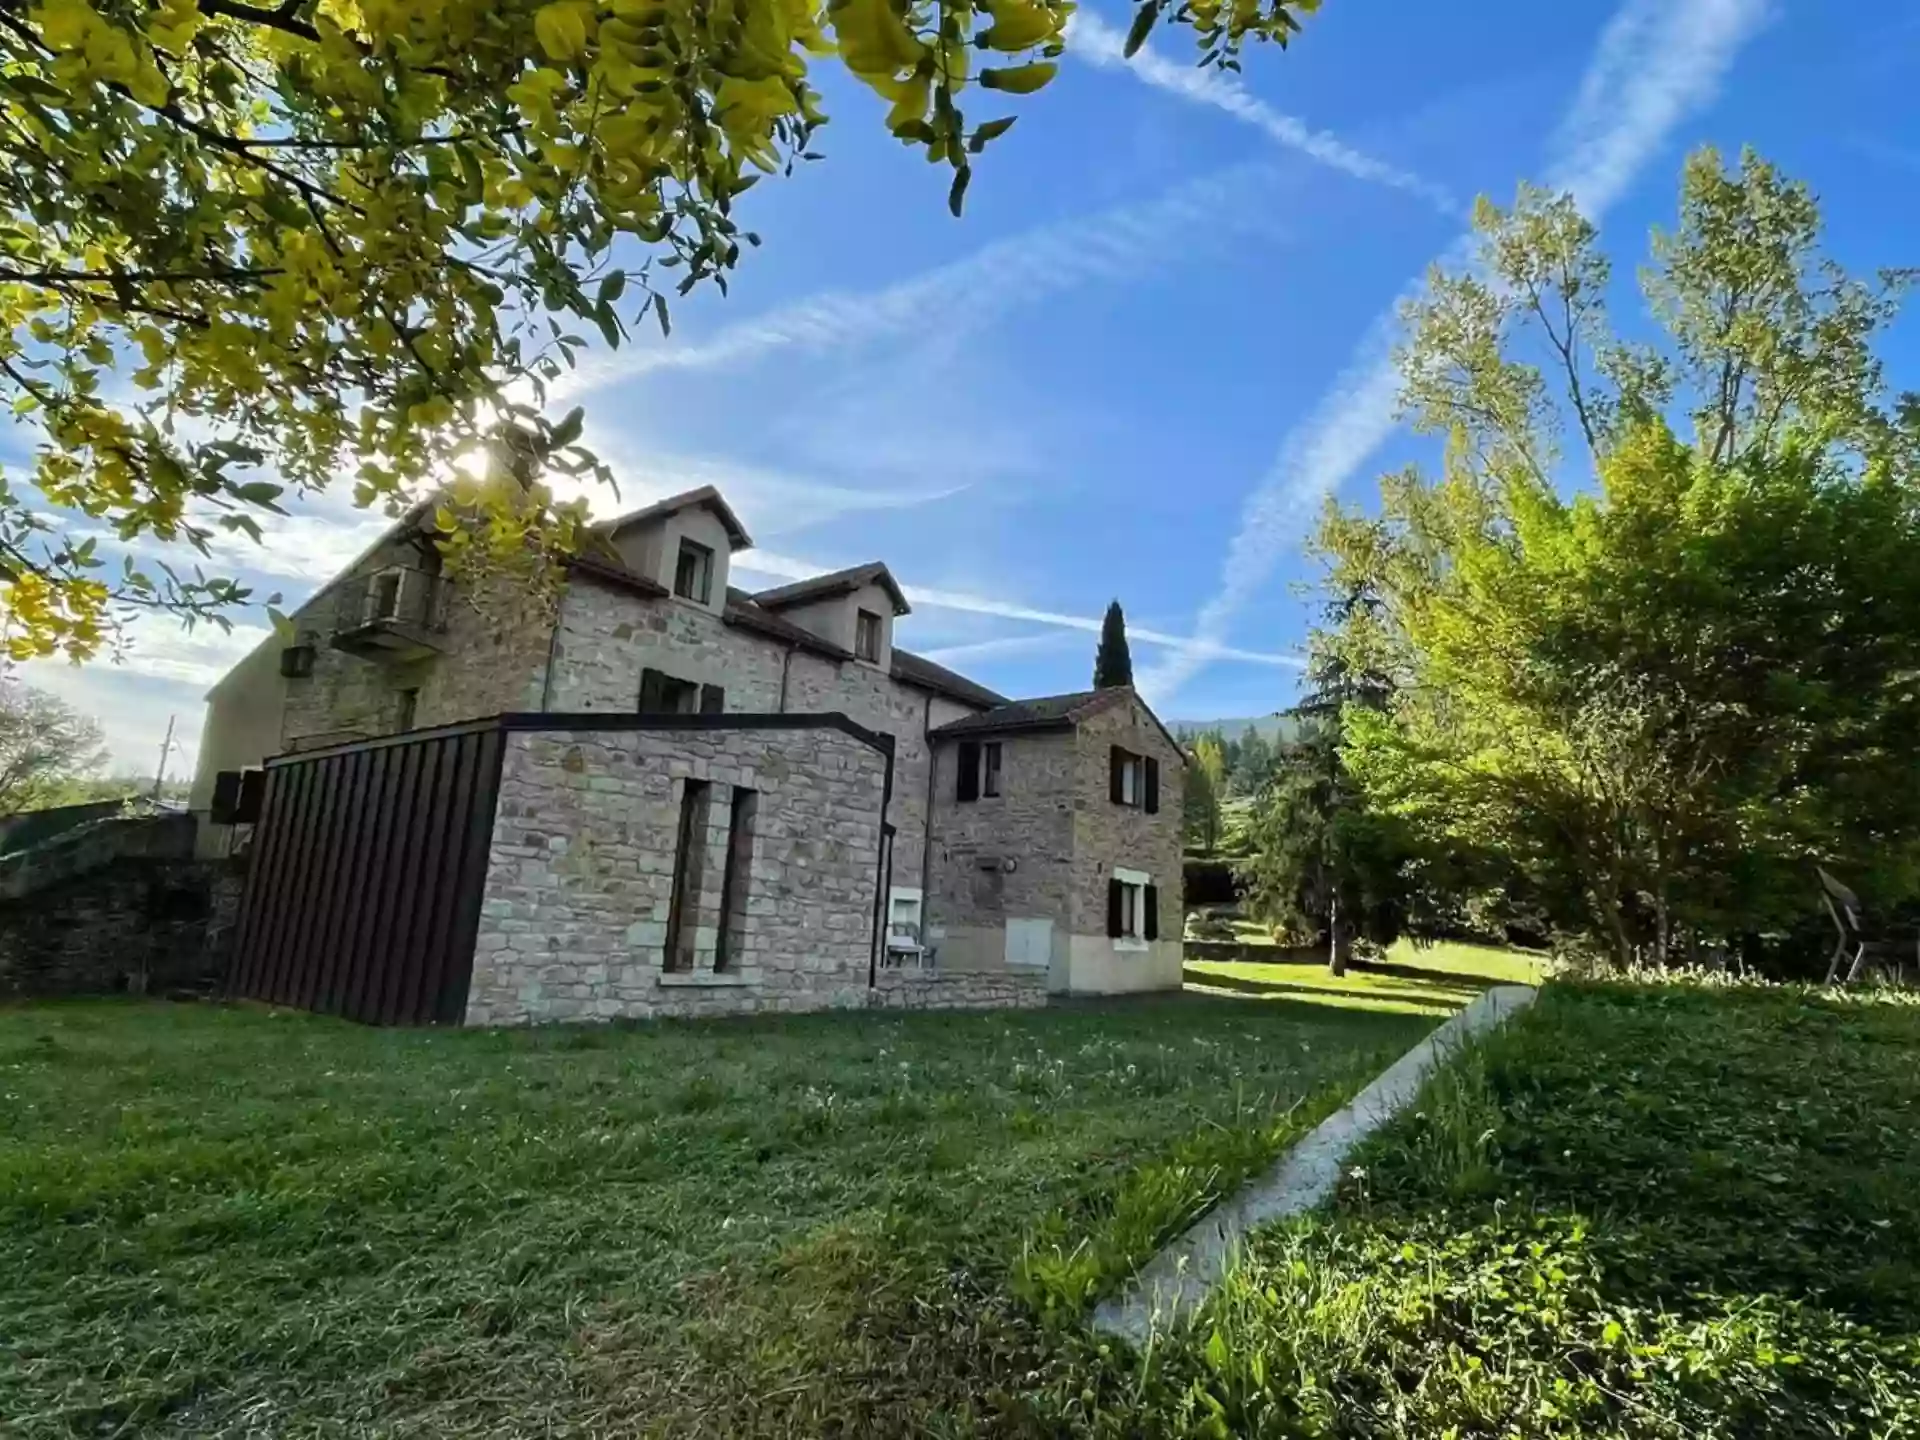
<point>926,829</point>
<point>553,648</point>
<point>883,875</point>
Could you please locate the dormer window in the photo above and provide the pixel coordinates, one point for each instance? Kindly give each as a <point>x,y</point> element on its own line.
<point>866,637</point>
<point>693,573</point>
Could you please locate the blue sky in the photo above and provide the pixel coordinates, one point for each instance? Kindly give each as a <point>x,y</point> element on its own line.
<point>1157,339</point>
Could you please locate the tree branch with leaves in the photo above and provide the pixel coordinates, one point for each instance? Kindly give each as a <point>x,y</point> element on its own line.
<point>249,250</point>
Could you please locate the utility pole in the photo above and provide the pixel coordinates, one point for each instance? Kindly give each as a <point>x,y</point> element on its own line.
<point>166,749</point>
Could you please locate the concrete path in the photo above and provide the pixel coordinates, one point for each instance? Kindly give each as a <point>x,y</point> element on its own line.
<point>1177,1281</point>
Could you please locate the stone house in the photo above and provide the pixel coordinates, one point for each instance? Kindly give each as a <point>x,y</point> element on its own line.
<point>710,800</point>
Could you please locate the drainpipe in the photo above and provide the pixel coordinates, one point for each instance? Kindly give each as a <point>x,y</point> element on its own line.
<point>553,648</point>
<point>926,829</point>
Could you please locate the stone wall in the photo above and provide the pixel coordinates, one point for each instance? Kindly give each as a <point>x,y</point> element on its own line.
<point>579,883</point>
<point>116,906</point>
<point>959,990</point>
<point>608,636</point>
<point>1108,835</point>
<point>493,659</point>
<point>971,895</point>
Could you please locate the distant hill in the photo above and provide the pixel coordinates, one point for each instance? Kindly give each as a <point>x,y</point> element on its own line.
<point>1273,727</point>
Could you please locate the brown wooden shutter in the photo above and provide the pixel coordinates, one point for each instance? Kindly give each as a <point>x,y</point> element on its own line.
<point>1116,767</point>
<point>225,809</point>
<point>713,700</point>
<point>968,786</point>
<point>1153,785</point>
<point>1153,906</point>
<point>1114,901</point>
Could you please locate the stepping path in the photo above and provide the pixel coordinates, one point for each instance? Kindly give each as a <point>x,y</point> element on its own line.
<point>1177,1281</point>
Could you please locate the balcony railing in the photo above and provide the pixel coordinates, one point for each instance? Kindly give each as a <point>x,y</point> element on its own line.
<point>394,614</point>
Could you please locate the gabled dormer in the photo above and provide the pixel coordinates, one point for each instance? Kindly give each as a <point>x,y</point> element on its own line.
<point>853,608</point>
<point>684,543</point>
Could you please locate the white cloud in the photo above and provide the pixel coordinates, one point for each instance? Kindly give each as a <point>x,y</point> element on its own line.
<point>1656,62</point>
<point>163,674</point>
<point>769,502</point>
<point>1025,269</point>
<point>1101,44</point>
<point>785,567</point>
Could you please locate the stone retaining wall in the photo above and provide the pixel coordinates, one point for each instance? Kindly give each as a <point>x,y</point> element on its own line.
<point>964,990</point>
<point>116,906</point>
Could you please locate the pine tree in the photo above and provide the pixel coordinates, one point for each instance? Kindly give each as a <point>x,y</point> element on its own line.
<point>1319,854</point>
<point>1113,662</point>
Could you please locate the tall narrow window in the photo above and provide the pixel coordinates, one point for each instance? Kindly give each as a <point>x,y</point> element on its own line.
<point>688,845</point>
<point>990,768</point>
<point>866,637</point>
<point>736,878</point>
<point>409,707</point>
<point>693,572</point>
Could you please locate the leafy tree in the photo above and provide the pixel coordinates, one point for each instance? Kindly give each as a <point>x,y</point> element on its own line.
<point>1206,773</point>
<point>45,745</point>
<point>1113,661</point>
<point>348,238</point>
<point>1321,854</point>
<point>1252,762</point>
<point>1660,699</point>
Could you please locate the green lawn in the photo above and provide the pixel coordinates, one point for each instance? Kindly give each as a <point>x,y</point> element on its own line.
<point>221,1221</point>
<point>1430,980</point>
<point>1652,1212</point>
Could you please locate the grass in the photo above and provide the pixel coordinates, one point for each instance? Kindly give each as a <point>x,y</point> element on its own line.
<point>219,1221</point>
<point>1647,1211</point>
<point>1429,980</point>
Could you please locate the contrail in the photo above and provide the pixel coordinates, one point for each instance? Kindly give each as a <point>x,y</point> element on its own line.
<point>785,567</point>
<point>1099,43</point>
<point>1657,62</point>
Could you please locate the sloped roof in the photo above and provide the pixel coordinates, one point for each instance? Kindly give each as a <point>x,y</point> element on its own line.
<point>1050,712</point>
<point>1047,712</point>
<point>705,496</point>
<point>838,582</point>
<point>911,669</point>
<point>742,611</point>
<point>605,565</point>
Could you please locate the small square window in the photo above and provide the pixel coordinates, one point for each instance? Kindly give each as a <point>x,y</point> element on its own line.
<point>662,694</point>
<point>866,637</point>
<point>693,573</point>
<point>990,768</point>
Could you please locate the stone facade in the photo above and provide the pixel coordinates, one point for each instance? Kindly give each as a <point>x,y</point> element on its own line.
<point>608,636</point>
<point>581,872</point>
<point>1107,835</point>
<point>580,875</point>
<point>116,906</point>
<point>1056,820</point>
<point>973,893</point>
<point>492,658</point>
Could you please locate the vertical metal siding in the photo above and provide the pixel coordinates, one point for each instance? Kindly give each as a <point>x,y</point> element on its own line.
<point>368,867</point>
